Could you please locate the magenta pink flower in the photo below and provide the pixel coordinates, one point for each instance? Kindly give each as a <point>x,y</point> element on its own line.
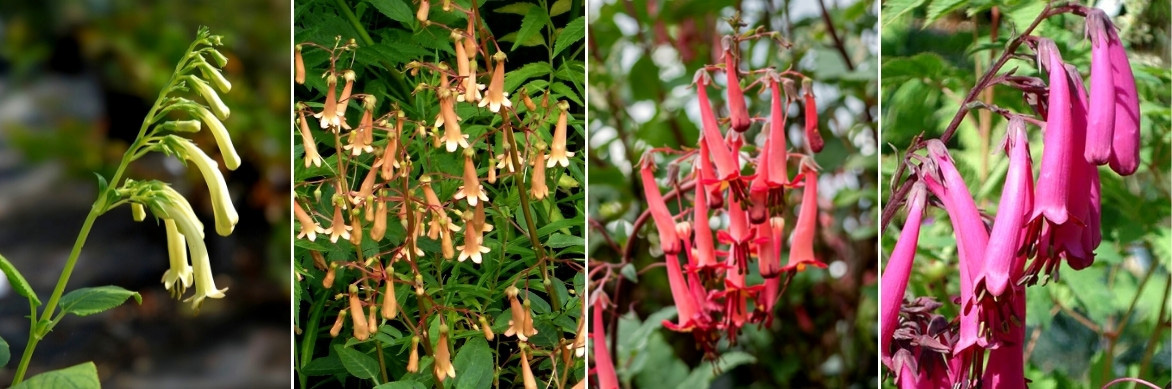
<point>1057,158</point>
<point>668,240</point>
<point>1006,367</point>
<point>1125,141</point>
<point>899,268</point>
<point>738,114</point>
<point>726,166</point>
<point>1101,118</point>
<point>1005,242</point>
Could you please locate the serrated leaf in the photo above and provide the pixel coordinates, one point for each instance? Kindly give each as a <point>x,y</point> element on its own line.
<point>895,8</point>
<point>560,7</point>
<point>83,376</point>
<point>397,10</point>
<point>473,364</point>
<point>516,77</point>
<point>573,32</point>
<point>357,363</point>
<point>88,301</point>
<point>534,19</point>
<point>942,7</point>
<point>18,282</point>
<point>565,91</point>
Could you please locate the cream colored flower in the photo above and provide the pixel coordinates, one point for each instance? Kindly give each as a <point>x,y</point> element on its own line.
<point>309,227</point>
<point>205,286</point>
<point>178,278</point>
<point>225,212</point>
<point>209,96</point>
<point>311,154</point>
<point>223,139</point>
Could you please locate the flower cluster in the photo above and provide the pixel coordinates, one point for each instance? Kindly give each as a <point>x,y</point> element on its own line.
<point>199,73</point>
<point>430,203</point>
<point>1038,224</point>
<point>711,292</point>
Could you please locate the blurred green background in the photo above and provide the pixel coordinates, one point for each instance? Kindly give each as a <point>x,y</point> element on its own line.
<point>1107,321</point>
<point>643,54</point>
<point>76,79</point>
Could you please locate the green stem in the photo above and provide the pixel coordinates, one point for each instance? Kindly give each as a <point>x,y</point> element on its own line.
<point>354,21</point>
<point>524,196</point>
<point>100,206</point>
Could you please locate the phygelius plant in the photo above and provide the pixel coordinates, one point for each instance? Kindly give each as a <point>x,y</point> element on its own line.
<point>1038,224</point>
<point>740,178</point>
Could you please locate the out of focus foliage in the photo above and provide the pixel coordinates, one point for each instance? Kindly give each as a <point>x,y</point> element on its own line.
<point>1091,326</point>
<point>643,55</point>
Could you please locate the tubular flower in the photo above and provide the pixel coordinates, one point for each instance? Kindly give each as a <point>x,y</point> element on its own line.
<point>328,117</point>
<point>298,66</point>
<point>505,161</point>
<point>704,253</point>
<point>557,150</point>
<point>1101,115</point>
<point>801,249</point>
<point>310,146</point>
<point>309,227</point>
<point>453,136</point>
<point>726,166</point>
<point>518,315</point>
<point>337,328</point>
<point>1125,140</point>
<point>339,229</point>
<point>379,230</point>
<point>390,159</point>
<point>473,241</point>
<point>603,366</point>
<point>738,114</point>
<point>223,139</point>
<point>205,287</point>
<point>1057,162</point>
<point>331,274</point>
<point>209,96</point>
<point>355,227</point>
<point>488,334</point>
<point>777,175</point>
<point>178,278</point>
<point>813,137</point>
<point>739,235</point>
<point>537,186</point>
<point>496,96</point>
<point>413,359</point>
<point>526,371</point>
<point>690,313</point>
<point>769,242</point>
<point>421,15</point>
<point>899,267</point>
<point>344,98</point>
<point>225,212</point>
<point>1005,241</point>
<point>390,307</point>
<point>358,316</point>
<point>668,240</point>
<point>443,356</point>
<point>471,190</point>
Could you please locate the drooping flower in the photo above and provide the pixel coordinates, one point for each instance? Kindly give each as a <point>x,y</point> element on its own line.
<point>344,98</point>
<point>309,227</point>
<point>390,307</point>
<point>471,190</point>
<point>668,240</point>
<point>557,150</point>
<point>328,117</point>
<point>310,146</point>
<point>537,187</point>
<point>1101,115</point>
<point>899,267</point>
<point>739,235</point>
<point>521,322</point>
<point>769,242</point>
<point>390,160</point>
<point>777,174</point>
<point>690,313</point>
<point>338,322</point>
<point>178,278</point>
<point>526,371</point>
<point>421,14</point>
<point>358,315</point>
<point>443,356</point>
<point>473,239</point>
<point>704,253</point>
<point>223,139</point>
<point>338,229</point>
<point>1057,159</point>
<point>483,323</point>
<point>210,97</point>
<point>496,96</point>
<point>603,365</point>
<point>1125,139</point>
<point>379,230</point>
<point>225,212</point>
<point>298,66</point>
<point>1005,241</point>
<point>738,114</point>
<point>177,209</point>
<point>813,137</point>
<point>726,166</point>
<point>413,358</point>
<point>453,136</point>
<point>801,249</point>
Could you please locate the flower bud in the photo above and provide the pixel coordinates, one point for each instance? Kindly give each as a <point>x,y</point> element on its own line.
<point>390,303</point>
<point>298,65</point>
<point>137,212</point>
<point>210,97</point>
<point>358,316</point>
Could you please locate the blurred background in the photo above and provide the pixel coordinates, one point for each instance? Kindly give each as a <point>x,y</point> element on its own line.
<point>76,79</point>
<point>643,54</point>
<point>1087,327</point>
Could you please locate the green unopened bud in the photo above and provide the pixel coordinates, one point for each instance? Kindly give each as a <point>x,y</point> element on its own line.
<point>210,96</point>
<point>220,59</point>
<point>186,126</point>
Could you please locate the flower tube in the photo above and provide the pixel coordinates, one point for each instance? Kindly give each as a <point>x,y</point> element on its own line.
<point>801,249</point>
<point>899,267</point>
<point>726,167</point>
<point>1101,118</point>
<point>1005,241</point>
<point>668,240</point>
<point>738,113</point>
<point>178,278</point>
<point>1057,162</point>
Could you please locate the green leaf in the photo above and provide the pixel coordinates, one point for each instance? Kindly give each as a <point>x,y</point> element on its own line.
<point>328,365</point>
<point>531,70</point>
<point>88,301</point>
<point>5,354</point>
<point>401,385</point>
<point>703,375</point>
<point>83,376</point>
<point>473,364</point>
<point>628,271</point>
<point>942,7</point>
<point>397,10</point>
<point>357,363</point>
<point>515,8</point>
<point>560,7</point>
<point>896,8</point>
<point>573,32</point>
<point>534,20</point>
<point>559,240</point>
<point>17,281</point>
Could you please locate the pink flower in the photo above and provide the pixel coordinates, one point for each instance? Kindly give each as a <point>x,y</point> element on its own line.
<point>739,235</point>
<point>899,267</point>
<point>668,240</point>
<point>813,137</point>
<point>1016,198</point>
<point>689,310</point>
<point>1101,118</point>
<point>1006,367</point>
<point>726,167</point>
<point>1057,161</point>
<point>738,114</point>
<point>1125,142</point>
<point>769,242</point>
<point>603,366</point>
<point>704,254</point>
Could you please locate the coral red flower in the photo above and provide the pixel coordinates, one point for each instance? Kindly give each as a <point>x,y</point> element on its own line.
<point>801,249</point>
<point>668,240</point>
<point>738,114</point>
